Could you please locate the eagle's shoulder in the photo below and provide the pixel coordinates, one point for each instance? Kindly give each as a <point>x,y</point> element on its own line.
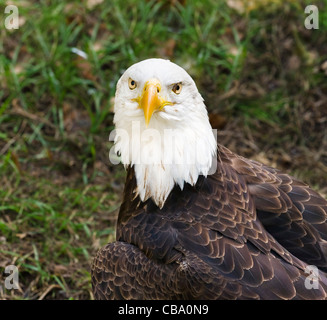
<point>292,212</point>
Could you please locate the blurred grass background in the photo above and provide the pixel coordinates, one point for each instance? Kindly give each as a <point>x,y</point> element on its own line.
<point>262,73</point>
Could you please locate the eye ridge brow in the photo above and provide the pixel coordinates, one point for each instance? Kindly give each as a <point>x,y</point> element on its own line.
<point>174,83</point>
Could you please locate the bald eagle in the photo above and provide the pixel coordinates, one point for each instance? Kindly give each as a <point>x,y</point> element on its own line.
<point>198,221</point>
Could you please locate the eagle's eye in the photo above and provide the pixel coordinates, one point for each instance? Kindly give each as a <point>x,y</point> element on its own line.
<point>131,83</point>
<point>177,88</point>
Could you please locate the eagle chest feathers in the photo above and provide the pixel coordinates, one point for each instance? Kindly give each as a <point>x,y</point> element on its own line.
<point>243,231</point>
<point>187,214</point>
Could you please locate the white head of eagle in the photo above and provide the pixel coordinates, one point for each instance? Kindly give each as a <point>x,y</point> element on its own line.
<point>162,128</point>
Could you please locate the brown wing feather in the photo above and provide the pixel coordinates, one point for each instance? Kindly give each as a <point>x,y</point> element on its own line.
<point>245,232</point>
<point>291,212</point>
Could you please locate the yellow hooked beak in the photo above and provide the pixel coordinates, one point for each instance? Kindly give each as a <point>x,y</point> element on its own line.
<point>150,100</point>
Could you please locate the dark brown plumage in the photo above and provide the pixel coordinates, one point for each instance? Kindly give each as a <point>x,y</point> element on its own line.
<point>246,232</point>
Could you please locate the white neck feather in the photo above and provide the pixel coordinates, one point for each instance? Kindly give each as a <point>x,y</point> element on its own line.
<point>170,151</point>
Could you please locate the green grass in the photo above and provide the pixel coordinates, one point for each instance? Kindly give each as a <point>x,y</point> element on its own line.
<point>60,195</point>
<point>46,225</point>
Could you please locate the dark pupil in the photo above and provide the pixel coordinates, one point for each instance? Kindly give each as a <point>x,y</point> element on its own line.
<point>177,88</point>
<point>132,83</point>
